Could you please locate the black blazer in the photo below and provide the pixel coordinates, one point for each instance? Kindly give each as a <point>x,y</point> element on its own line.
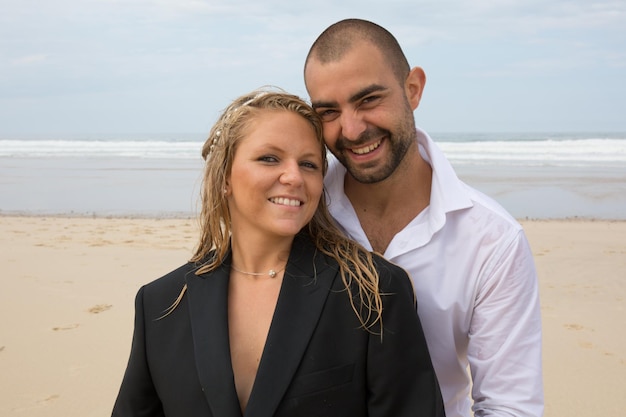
<point>317,361</point>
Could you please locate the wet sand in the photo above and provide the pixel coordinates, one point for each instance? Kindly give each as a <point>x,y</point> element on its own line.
<point>68,283</point>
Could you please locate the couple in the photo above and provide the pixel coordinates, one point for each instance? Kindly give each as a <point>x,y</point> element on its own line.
<point>278,313</point>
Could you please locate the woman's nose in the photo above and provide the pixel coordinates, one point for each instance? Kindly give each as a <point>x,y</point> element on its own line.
<point>291,174</point>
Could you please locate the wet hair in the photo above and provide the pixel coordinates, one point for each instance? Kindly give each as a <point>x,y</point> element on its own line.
<point>339,39</point>
<point>219,152</point>
<point>356,264</point>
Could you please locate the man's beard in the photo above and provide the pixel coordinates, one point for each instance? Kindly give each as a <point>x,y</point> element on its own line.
<point>399,143</point>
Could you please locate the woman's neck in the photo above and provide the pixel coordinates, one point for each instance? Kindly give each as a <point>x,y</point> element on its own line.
<point>260,254</point>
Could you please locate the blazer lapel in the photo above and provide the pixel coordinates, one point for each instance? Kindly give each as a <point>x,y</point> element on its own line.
<point>306,284</point>
<point>208,310</point>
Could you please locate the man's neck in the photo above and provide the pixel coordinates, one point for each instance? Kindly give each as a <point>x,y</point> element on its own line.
<point>407,188</point>
<point>386,207</point>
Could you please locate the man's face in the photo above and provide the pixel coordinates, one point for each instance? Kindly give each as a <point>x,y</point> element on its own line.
<point>368,121</point>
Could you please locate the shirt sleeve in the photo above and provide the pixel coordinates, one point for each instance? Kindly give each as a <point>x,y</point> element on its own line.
<point>504,350</point>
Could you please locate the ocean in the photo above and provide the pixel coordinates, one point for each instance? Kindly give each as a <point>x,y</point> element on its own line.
<point>533,175</point>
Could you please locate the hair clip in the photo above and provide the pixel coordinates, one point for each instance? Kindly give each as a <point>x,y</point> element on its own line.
<point>216,136</point>
<point>259,95</point>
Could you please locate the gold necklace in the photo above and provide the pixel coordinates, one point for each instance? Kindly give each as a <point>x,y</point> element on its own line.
<point>272,273</point>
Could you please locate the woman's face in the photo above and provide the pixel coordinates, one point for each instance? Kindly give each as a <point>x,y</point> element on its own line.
<point>276,180</point>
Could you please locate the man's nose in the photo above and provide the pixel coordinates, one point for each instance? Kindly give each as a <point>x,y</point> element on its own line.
<point>352,125</point>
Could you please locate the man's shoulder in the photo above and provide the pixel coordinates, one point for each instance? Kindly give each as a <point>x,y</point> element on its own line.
<point>487,208</point>
<point>485,226</point>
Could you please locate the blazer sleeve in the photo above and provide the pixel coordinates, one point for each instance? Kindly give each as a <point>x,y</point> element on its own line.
<point>401,377</point>
<point>137,396</point>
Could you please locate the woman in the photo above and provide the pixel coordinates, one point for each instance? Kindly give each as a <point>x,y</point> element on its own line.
<point>276,314</point>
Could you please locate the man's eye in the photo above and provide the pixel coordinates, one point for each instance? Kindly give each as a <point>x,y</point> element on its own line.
<point>328,114</point>
<point>370,99</point>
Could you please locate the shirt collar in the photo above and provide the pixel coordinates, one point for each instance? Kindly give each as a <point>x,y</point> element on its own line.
<point>447,194</point>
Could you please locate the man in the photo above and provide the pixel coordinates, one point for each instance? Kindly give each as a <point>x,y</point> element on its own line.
<point>395,193</point>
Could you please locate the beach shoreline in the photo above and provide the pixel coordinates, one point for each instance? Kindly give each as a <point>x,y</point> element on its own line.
<point>69,281</point>
<point>569,180</point>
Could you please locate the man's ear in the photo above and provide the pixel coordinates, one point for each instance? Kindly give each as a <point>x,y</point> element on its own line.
<point>414,86</point>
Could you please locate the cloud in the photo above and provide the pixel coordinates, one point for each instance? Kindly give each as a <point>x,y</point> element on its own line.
<point>27,60</point>
<point>204,52</point>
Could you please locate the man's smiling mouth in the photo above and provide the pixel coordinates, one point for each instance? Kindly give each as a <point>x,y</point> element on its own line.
<point>365,149</point>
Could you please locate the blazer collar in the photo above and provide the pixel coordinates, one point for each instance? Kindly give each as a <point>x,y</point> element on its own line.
<point>306,284</point>
<point>305,287</point>
<point>208,311</point>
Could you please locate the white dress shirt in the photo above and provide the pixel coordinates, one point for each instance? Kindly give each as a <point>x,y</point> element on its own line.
<point>476,287</point>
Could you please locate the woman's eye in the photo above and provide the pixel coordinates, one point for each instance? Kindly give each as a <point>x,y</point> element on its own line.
<point>268,158</point>
<point>310,165</point>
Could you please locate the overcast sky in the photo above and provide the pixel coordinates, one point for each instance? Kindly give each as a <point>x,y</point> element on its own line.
<point>169,66</point>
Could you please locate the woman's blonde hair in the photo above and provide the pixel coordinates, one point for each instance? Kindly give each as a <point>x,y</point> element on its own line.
<point>357,267</point>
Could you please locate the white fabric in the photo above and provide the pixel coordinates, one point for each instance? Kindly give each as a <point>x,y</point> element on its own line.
<point>476,287</point>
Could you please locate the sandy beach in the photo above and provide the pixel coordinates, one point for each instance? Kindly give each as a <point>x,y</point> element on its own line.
<point>68,284</point>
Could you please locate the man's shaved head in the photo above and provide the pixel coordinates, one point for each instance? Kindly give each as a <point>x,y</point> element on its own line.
<point>339,38</point>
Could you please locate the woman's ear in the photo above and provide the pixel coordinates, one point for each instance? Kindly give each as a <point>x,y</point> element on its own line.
<point>414,86</point>
<point>227,190</point>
